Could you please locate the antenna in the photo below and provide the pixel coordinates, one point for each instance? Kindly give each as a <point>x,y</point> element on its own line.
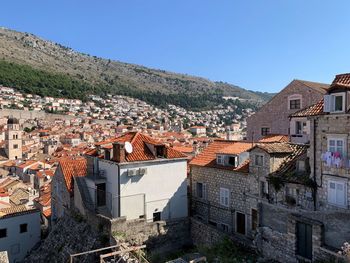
<point>128,147</point>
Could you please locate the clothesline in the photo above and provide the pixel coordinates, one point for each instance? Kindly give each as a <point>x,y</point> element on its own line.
<point>335,159</point>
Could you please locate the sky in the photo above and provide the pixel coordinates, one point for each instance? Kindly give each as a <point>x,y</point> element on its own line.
<point>259,45</point>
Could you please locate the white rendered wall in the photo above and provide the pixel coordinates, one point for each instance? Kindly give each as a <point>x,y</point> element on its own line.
<point>25,241</point>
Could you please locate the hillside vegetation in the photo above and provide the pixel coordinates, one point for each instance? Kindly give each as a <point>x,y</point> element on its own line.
<point>42,67</point>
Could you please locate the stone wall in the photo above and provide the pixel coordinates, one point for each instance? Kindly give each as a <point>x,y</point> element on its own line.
<point>275,114</point>
<point>243,197</point>
<point>276,238</point>
<point>334,125</point>
<point>159,237</point>
<point>26,115</point>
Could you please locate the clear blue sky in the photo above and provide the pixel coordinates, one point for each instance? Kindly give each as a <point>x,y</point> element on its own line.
<point>259,45</point>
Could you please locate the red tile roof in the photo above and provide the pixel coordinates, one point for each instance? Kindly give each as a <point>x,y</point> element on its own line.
<point>275,138</point>
<point>71,168</point>
<point>140,151</point>
<point>207,158</point>
<point>313,110</point>
<point>341,80</point>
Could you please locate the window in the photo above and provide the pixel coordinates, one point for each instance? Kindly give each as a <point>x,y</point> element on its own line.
<point>233,160</point>
<point>336,145</point>
<point>259,160</point>
<point>338,103</point>
<point>3,232</point>
<point>301,165</point>
<point>220,159</point>
<point>265,131</point>
<point>337,193</point>
<point>15,146</point>
<point>264,189</point>
<point>224,197</point>
<point>201,190</point>
<point>224,227</point>
<point>300,127</point>
<point>156,216</point>
<point>23,228</point>
<point>254,219</point>
<point>295,104</point>
<point>334,102</point>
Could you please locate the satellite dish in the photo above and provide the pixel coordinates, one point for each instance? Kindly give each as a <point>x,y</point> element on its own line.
<point>128,147</point>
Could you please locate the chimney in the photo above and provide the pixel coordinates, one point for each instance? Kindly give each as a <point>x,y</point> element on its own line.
<point>119,152</point>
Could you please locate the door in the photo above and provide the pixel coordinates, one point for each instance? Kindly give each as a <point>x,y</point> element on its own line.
<point>304,240</point>
<point>240,223</point>
<point>101,194</point>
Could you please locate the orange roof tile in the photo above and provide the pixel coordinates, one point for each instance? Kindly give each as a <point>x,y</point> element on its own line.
<point>47,213</point>
<point>141,152</point>
<point>313,110</point>
<point>342,80</point>
<point>207,157</point>
<point>71,168</point>
<point>275,138</point>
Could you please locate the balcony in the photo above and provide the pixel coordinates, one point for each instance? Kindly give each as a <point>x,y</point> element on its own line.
<point>300,138</point>
<point>334,163</point>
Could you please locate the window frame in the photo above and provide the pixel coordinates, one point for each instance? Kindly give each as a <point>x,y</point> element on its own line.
<point>5,233</point>
<point>295,97</point>
<point>265,131</point>
<point>296,104</point>
<point>329,197</point>
<point>338,94</point>
<point>220,159</point>
<point>256,163</point>
<point>21,231</point>
<point>224,194</point>
<point>204,190</point>
<point>337,138</point>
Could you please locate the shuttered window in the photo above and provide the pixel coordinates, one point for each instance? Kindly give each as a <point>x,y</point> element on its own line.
<point>337,193</point>
<point>224,197</point>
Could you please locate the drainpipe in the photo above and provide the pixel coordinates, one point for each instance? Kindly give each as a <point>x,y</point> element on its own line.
<point>118,190</point>
<point>314,153</point>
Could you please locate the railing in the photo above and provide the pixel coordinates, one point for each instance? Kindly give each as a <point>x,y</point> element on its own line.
<point>335,160</point>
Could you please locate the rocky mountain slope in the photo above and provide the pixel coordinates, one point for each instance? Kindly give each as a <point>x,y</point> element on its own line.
<point>113,76</point>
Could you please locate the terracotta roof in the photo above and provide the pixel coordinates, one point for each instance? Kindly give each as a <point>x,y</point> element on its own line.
<point>141,152</point>
<point>320,87</point>
<point>47,213</point>
<point>236,148</point>
<point>313,110</point>
<point>26,164</point>
<point>274,147</point>
<point>71,168</point>
<point>183,149</point>
<point>285,171</point>
<point>275,138</point>
<point>342,80</point>
<point>207,158</point>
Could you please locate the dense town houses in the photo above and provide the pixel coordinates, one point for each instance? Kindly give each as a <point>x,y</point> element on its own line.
<point>283,192</point>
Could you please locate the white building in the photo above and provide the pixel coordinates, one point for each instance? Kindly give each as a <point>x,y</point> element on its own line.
<point>19,231</point>
<point>137,178</point>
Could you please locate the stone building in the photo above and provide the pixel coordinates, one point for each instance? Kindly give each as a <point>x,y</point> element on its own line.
<point>62,187</point>
<point>13,139</point>
<point>220,187</point>
<point>272,118</point>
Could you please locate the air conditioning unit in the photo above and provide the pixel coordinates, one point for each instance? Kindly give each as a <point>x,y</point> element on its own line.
<point>143,171</point>
<point>132,172</point>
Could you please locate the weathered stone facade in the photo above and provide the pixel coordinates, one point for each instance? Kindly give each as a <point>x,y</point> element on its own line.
<point>274,115</point>
<point>242,199</point>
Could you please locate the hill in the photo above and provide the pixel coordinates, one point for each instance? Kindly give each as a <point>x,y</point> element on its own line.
<point>39,66</point>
